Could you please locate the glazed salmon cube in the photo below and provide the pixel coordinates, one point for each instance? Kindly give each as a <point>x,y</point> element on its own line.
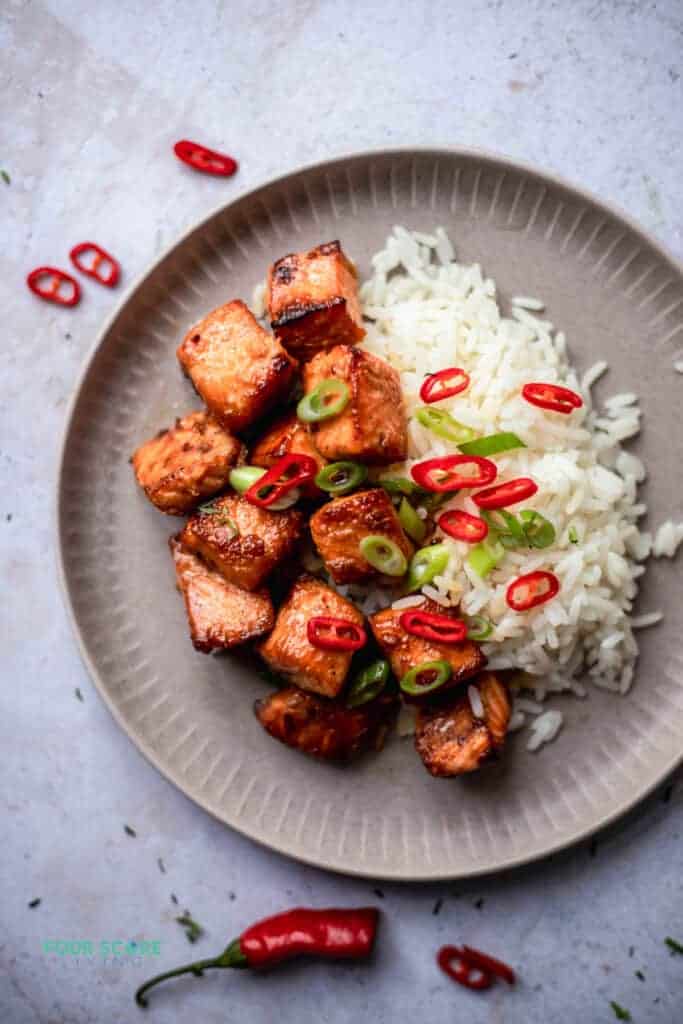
<point>220,614</point>
<point>339,526</point>
<point>406,651</point>
<point>287,650</point>
<point>186,463</point>
<point>312,300</point>
<point>238,368</point>
<point>372,427</point>
<point>287,435</point>
<point>452,739</point>
<point>324,728</point>
<point>243,542</point>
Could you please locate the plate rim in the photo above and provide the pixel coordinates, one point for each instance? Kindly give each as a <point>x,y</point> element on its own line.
<point>283,847</point>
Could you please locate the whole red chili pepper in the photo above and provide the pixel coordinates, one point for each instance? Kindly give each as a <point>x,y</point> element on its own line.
<point>462,526</point>
<point>203,159</point>
<point>552,396</point>
<point>436,386</point>
<point>531,590</point>
<point>102,267</point>
<point>449,472</point>
<point>347,934</point>
<point>505,494</point>
<point>431,626</point>
<point>330,634</point>
<point>287,473</point>
<point>46,283</point>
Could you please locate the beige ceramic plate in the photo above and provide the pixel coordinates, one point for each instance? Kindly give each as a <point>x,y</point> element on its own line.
<point>616,294</point>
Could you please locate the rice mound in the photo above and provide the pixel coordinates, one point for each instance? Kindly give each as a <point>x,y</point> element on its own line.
<point>427,312</point>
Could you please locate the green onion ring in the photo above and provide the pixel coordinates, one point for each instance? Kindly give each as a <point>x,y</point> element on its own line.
<point>426,564</point>
<point>341,477</point>
<point>444,425</point>
<point>327,399</point>
<point>410,682</point>
<point>383,554</point>
<point>368,684</point>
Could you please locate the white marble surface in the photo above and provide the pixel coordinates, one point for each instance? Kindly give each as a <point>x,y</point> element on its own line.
<point>92,98</point>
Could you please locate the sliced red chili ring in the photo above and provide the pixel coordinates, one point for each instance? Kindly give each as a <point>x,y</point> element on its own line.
<point>47,282</point>
<point>431,626</point>
<point>437,385</point>
<point>288,472</point>
<point>447,472</point>
<point>552,396</point>
<point>531,590</point>
<point>203,159</point>
<point>505,494</point>
<point>489,963</point>
<point>453,962</point>
<point>330,634</point>
<point>102,267</point>
<point>462,526</point>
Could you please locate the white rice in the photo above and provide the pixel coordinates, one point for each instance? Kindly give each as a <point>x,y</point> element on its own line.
<point>428,311</point>
<point>475,700</point>
<point>667,539</point>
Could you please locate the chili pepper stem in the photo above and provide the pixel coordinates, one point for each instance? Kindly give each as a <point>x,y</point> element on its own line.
<point>232,956</point>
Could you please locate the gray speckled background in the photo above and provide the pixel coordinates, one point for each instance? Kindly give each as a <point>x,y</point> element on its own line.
<point>92,98</point>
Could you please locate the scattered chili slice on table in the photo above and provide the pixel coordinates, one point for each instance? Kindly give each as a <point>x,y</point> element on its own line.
<point>347,934</point>
<point>203,159</point>
<point>330,634</point>
<point>462,526</point>
<point>432,626</point>
<point>531,590</point>
<point>444,384</point>
<point>552,396</point>
<point>471,968</point>
<point>283,476</point>
<point>450,472</point>
<point>508,493</point>
<point>47,282</point>
<point>452,961</point>
<point>102,267</point>
<point>489,963</point>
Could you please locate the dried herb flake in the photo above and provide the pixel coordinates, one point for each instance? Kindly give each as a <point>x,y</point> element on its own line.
<point>79,695</point>
<point>675,947</point>
<point>5,177</point>
<point>130,831</point>
<point>619,1012</point>
<point>192,929</point>
<point>35,903</point>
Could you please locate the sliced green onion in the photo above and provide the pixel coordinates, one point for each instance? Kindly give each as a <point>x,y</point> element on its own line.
<point>426,564</point>
<point>440,669</point>
<point>509,530</point>
<point>383,554</point>
<point>493,444</point>
<point>443,425</point>
<point>539,531</point>
<point>396,485</point>
<point>328,398</point>
<point>243,477</point>
<point>341,477</point>
<point>479,628</point>
<point>368,684</point>
<point>411,522</point>
<point>573,535</point>
<point>485,556</point>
